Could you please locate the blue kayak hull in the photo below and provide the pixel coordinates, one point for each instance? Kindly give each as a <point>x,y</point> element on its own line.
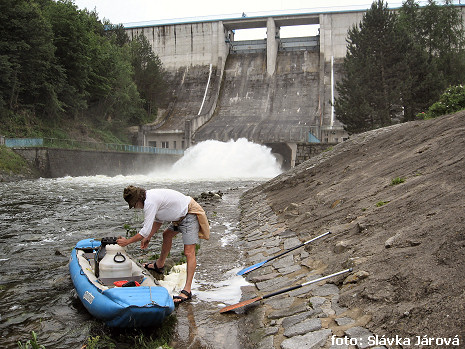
<point>143,306</point>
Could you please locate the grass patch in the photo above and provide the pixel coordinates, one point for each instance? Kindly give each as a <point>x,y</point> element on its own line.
<point>31,343</point>
<point>397,180</point>
<point>104,337</point>
<point>10,162</point>
<point>381,203</point>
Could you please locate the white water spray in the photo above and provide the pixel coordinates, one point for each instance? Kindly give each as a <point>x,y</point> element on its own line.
<point>215,160</point>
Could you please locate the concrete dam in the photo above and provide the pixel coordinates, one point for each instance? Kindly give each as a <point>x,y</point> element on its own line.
<point>276,91</point>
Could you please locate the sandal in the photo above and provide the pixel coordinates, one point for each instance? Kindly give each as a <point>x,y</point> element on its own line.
<point>183,299</point>
<point>155,268</point>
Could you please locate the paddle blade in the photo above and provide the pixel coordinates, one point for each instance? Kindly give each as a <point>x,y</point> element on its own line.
<point>239,305</point>
<point>249,269</point>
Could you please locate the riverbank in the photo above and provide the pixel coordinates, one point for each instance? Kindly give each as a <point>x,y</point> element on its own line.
<point>13,167</point>
<point>393,199</point>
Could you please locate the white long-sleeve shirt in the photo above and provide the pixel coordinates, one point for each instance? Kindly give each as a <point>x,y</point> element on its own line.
<point>163,205</point>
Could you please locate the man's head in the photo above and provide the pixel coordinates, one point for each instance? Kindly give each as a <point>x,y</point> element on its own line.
<point>133,194</point>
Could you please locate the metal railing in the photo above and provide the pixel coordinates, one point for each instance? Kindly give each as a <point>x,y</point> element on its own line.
<point>86,145</point>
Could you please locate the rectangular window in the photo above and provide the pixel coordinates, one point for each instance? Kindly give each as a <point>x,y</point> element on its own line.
<point>153,144</point>
<point>165,144</point>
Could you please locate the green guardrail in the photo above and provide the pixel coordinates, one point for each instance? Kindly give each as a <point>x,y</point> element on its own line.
<point>72,144</point>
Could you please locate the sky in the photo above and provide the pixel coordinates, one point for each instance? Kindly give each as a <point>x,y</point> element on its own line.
<point>130,12</point>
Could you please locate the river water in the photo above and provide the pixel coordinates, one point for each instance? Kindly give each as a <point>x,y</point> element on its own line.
<point>41,221</point>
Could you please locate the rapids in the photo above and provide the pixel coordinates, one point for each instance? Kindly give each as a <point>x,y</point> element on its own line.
<point>41,220</point>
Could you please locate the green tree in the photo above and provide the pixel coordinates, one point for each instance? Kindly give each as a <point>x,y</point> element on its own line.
<point>148,74</point>
<point>29,76</point>
<point>72,40</point>
<point>422,81</point>
<point>442,33</point>
<point>372,71</point>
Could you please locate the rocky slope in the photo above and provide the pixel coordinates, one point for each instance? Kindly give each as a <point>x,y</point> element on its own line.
<point>394,199</point>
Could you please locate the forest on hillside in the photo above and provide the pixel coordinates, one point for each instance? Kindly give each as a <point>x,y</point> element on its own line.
<point>63,66</point>
<point>65,73</point>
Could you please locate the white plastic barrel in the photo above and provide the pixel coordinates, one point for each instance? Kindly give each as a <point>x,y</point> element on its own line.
<point>115,264</point>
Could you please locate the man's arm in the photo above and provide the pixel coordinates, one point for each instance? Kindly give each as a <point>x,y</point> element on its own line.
<point>124,242</point>
<point>145,241</point>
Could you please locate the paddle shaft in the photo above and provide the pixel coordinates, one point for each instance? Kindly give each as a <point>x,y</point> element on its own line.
<point>258,265</point>
<point>296,247</point>
<point>250,301</point>
<point>306,283</point>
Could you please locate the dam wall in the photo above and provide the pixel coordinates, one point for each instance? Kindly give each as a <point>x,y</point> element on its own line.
<point>266,108</point>
<point>54,163</point>
<point>272,91</point>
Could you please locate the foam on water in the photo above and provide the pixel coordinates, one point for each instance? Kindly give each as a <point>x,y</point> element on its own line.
<point>227,291</point>
<point>207,161</point>
<point>217,160</point>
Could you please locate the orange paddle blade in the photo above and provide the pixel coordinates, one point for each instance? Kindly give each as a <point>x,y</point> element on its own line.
<point>238,305</point>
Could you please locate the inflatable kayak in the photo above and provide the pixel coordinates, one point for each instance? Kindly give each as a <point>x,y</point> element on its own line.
<point>116,289</point>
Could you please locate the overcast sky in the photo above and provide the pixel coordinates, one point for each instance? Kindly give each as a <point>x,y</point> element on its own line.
<point>130,11</point>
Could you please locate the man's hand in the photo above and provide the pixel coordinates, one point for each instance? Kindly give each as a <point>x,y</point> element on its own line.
<point>145,243</point>
<point>122,241</point>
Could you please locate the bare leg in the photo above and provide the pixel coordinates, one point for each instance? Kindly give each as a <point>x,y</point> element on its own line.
<point>168,236</point>
<point>189,251</point>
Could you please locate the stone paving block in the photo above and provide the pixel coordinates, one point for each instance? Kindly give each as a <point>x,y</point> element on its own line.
<point>341,321</point>
<point>303,327</point>
<point>294,319</point>
<point>258,257</point>
<point>291,242</point>
<point>303,292</point>
<point>277,314</point>
<point>274,284</point>
<point>335,305</point>
<point>266,343</point>
<point>271,330</point>
<point>272,251</point>
<point>310,340</point>
<point>290,269</point>
<point>272,242</point>
<point>283,261</point>
<point>260,278</point>
<point>317,302</point>
<point>326,290</point>
<point>361,334</point>
<point>280,303</point>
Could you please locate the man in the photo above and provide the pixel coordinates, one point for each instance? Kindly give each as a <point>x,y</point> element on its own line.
<point>186,216</point>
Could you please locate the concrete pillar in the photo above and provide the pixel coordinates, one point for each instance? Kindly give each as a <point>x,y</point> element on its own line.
<point>271,46</point>
<point>293,147</point>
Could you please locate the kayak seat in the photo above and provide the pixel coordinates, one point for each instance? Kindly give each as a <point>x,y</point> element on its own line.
<point>110,281</point>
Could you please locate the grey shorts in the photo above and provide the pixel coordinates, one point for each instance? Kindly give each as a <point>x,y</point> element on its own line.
<point>189,227</point>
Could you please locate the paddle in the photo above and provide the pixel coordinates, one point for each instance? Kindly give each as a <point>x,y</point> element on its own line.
<point>258,265</point>
<point>247,302</point>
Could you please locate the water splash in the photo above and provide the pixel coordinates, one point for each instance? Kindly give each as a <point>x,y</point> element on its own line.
<point>215,160</point>
<point>207,161</point>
